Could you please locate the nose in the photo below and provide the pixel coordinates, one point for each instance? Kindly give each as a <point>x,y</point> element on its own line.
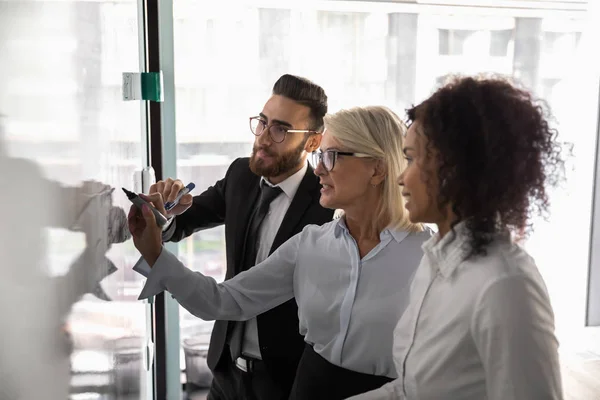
<point>400,179</point>
<point>319,169</point>
<point>264,138</point>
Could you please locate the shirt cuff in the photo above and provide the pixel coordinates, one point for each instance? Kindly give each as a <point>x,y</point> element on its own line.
<point>168,229</point>
<point>155,283</point>
<point>142,267</point>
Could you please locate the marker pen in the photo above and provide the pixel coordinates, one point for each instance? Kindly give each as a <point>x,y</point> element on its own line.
<point>139,202</point>
<point>171,204</point>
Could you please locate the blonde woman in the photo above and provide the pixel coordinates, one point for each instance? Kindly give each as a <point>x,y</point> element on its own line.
<point>350,277</point>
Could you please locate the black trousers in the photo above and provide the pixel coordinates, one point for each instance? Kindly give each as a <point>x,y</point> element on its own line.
<point>317,379</point>
<point>231,383</point>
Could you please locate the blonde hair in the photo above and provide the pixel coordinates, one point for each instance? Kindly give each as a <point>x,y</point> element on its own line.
<point>378,132</point>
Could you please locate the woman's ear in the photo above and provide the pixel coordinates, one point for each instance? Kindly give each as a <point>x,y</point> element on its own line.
<point>379,174</point>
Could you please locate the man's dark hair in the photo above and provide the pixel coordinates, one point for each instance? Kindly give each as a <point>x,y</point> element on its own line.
<point>304,92</point>
<point>496,154</point>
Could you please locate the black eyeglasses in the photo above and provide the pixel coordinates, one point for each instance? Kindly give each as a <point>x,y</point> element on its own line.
<point>277,132</point>
<point>328,157</point>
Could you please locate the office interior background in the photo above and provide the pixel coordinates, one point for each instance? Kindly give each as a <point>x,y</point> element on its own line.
<point>67,137</point>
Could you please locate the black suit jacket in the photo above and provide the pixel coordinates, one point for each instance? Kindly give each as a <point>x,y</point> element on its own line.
<point>231,201</point>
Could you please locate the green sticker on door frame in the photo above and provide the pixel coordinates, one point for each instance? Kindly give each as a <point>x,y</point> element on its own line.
<point>143,86</point>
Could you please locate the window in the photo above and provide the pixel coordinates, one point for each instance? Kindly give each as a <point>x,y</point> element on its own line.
<point>593,299</point>
<point>388,56</point>
<point>78,328</point>
<point>452,42</point>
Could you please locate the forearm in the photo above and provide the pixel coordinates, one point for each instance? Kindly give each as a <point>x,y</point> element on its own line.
<point>242,298</point>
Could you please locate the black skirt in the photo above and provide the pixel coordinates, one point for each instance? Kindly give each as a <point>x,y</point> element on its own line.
<point>317,378</point>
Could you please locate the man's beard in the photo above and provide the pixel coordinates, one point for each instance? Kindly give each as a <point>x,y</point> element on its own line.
<point>283,163</point>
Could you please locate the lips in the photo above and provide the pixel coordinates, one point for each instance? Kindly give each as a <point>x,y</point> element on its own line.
<point>406,197</point>
<point>263,153</point>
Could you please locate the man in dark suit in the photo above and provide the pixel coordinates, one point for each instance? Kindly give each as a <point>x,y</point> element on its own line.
<point>263,201</point>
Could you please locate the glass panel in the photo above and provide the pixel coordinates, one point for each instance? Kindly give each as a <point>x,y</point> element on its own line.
<point>69,297</point>
<point>229,54</point>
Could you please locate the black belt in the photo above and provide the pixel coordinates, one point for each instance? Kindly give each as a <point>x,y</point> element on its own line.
<point>249,364</point>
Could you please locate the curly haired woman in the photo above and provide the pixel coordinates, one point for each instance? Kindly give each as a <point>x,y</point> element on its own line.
<point>479,324</point>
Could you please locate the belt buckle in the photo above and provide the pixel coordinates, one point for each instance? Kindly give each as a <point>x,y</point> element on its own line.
<point>243,364</point>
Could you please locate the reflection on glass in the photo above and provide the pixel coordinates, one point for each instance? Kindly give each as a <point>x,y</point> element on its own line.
<point>228,54</point>
<point>72,327</point>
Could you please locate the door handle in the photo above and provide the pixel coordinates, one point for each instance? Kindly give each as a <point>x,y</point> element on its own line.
<point>148,355</point>
<point>142,179</point>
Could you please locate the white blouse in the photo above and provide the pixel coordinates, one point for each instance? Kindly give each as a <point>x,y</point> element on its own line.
<point>475,329</point>
<point>348,306</point>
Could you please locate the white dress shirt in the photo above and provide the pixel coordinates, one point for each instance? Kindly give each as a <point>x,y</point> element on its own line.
<point>347,306</point>
<point>475,329</point>
<point>266,235</point>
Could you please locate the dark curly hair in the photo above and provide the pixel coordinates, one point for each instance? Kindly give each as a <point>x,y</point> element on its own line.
<point>496,153</point>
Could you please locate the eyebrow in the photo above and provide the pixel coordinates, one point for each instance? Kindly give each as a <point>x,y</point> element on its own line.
<point>276,121</point>
<point>407,149</point>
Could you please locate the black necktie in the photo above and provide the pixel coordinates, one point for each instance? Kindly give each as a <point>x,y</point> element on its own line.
<point>267,195</point>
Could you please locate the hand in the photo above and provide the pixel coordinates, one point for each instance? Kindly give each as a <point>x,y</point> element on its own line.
<point>168,189</point>
<point>147,235</point>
